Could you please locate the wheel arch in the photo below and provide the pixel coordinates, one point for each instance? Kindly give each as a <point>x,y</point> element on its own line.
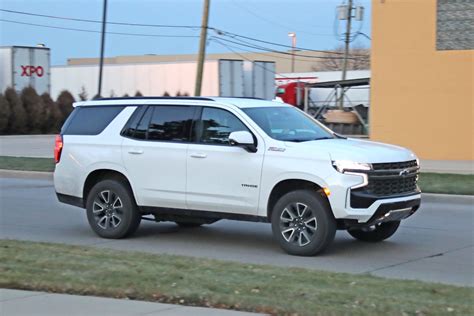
<point>98,175</point>
<point>288,185</point>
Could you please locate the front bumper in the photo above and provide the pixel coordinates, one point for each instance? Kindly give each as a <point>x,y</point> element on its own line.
<point>387,212</point>
<point>340,200</point>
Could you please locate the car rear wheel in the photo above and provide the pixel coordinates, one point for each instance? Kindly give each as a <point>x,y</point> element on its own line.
<point>111,210</point>
<point>375,233</point>
<point>302,223</point>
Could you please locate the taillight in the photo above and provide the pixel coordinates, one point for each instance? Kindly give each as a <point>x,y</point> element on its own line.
<point>58,148</point>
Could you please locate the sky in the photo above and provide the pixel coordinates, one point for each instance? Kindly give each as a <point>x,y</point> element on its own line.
<point>313,21</point>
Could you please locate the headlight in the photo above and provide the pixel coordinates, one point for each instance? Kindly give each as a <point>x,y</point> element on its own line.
<point>347,165</point>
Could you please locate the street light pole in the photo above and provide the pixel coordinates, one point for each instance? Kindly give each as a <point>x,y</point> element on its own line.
<point>293,48</point>
<point>102,44</point>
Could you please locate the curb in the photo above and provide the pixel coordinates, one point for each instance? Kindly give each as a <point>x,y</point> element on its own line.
<point>5,173</point>
<point>447,198</point>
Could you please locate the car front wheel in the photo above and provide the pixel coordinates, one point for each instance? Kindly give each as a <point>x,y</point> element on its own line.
<point>302,223</point>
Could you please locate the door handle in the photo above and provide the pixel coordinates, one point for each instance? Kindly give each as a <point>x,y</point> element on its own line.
<point>135,151</point>
<point>198,155</point>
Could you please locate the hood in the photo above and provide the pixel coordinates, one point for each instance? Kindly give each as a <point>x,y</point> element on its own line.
<point>356,150</point>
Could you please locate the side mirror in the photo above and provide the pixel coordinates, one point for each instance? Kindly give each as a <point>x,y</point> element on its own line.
<point>243,139</point>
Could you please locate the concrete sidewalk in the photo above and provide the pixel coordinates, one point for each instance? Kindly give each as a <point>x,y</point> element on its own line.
<point>16,303</point>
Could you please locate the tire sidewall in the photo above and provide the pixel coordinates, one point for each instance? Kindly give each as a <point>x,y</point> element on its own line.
<point>380,233</point>
<point>326,224</point>
<point>130,217</point>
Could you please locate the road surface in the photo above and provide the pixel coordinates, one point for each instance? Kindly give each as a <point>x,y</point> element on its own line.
<point>436,244</point>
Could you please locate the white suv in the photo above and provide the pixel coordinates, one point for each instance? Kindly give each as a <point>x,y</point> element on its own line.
<point>198,160</point>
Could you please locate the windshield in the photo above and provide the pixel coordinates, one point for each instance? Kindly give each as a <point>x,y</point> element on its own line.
<point>287,124</point>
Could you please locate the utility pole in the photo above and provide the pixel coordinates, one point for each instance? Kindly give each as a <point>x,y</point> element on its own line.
<point>202,48</point>
<point>102,44</point>
<point>347,42</point>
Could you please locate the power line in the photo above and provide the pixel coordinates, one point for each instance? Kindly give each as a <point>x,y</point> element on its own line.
<point>252,61</point>
<point>218,31</point>
<point>236,36</point>
<point>213,38</point>
<point>97,21</point>
<point>278,52</point>
<point>94,31</point>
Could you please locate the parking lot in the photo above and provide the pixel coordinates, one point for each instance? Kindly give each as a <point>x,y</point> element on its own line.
<point>436,244</point>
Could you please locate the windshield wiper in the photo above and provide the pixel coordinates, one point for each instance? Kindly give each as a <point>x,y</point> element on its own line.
<point>300,140</point>
<point>309,140</point>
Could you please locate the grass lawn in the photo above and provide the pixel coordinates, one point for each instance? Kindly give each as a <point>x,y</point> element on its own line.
<point>192,281</point>
<point>429,182</point>
<point>447,183</point>
<point>24,163</point>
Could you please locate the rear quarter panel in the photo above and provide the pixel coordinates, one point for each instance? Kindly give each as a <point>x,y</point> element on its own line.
<point>83,154</point>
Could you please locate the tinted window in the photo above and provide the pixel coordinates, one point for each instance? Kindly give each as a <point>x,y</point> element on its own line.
<point>171,123</point>
<point>132,123</point>
<point>217,124</point>
<point>142,127</point>
<point>90,120</point>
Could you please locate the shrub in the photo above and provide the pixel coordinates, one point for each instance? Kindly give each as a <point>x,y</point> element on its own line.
<point>17,120</point>
<point>54,119</point>
<point>138,94</point>
<point>4,114</point>
<point>35,110</point>
<point>65,101</point>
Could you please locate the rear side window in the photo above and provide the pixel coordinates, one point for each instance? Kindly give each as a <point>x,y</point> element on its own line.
<point>90,120</point>
<point>171,123</point>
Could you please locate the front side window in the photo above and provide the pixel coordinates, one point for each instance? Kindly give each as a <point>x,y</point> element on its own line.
<point>217,124</point>
<point>287,124</point>
<point>171,123</point>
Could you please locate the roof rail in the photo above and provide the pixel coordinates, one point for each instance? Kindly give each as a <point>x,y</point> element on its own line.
<point>154,98</point>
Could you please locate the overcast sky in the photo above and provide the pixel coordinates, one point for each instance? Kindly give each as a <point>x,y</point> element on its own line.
<point>313,21</point>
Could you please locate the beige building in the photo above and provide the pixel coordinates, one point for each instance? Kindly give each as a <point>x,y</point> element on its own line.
<point>422,86</point>
<point>282,62</point>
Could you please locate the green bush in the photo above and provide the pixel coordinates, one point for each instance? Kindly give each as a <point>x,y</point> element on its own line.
<point>65,101</point>
<point>17,119</point>
<point>54,118</point>
<point>4,114</point>
<point>29,113</point>
<point>35,110</point>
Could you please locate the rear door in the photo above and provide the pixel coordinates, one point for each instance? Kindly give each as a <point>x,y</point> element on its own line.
<point>221,177</point>
<point>154,154</point>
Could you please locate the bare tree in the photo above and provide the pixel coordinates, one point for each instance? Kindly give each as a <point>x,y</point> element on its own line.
<point>359,60</point>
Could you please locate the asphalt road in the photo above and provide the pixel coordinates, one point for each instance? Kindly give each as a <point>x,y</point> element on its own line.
<point>436,244</point>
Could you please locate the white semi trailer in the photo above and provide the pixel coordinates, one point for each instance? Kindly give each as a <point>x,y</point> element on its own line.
<point>223,77</point>
<point>22,66</point>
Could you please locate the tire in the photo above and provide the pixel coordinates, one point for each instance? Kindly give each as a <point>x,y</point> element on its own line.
<point>378,233</point>
<point>111,210</point>
<point>188,224</point>
<point>303,223</point>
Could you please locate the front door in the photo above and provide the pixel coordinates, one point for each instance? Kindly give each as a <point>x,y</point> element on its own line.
<point>221,177</point>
